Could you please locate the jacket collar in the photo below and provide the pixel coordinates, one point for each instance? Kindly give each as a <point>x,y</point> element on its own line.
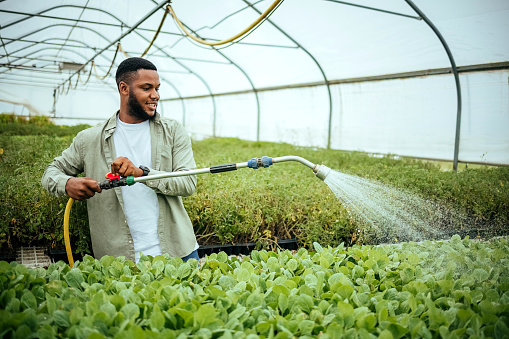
<point>111,123</point>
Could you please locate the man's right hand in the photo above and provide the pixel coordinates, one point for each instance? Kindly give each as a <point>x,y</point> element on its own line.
<point>82,188</point>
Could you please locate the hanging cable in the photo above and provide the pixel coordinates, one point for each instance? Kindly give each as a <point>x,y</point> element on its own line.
<point>157,32</point>
<point>214,26</point>
<point>234,42</point>
<point>88,78</point>
<point>75,85</point>
<point>111,66</point>
<point>122,50</point>
<point>262,17</point>
<point>68,87</point>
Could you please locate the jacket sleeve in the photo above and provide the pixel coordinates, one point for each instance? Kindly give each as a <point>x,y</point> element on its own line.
<point>182,160</point>
<point>68,165</point>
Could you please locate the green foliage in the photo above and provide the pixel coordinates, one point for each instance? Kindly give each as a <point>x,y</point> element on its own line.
<point>287,194</point>
<point>264,205</point>
<point>11,124</point>
<point>28,214</point>
<point>456,288</point>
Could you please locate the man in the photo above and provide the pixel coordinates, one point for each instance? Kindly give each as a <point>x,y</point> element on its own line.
<point>148,217</point>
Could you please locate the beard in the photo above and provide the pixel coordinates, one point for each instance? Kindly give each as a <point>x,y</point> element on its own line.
<point>135,110</point>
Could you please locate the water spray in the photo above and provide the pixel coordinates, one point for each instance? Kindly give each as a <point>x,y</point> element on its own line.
<point>321,171</point>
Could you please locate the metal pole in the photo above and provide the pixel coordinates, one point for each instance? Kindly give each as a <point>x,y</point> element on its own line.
<point>375,9</point>
<point>456,79</point>
<point>250,82</point>
<point>317,64</point>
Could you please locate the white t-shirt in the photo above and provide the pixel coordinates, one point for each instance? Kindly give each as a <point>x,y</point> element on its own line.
<point>140,202</point>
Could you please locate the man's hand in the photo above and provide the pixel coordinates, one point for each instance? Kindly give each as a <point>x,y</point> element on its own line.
<point>124,167</point>
<point>82,188</point>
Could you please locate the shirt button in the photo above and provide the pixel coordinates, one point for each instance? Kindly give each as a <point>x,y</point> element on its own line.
<point>125,221</point>
<point>130,241</point>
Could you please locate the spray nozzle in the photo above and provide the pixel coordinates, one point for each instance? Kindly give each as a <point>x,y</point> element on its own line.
<point>321,171</point>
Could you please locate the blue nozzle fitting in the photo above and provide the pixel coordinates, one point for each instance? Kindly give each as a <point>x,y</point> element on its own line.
<point>266,161</point>
<point>254,163</point>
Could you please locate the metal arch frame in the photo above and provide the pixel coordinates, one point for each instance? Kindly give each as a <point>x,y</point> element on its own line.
<point>421,16</point>
<point>31,76</point>
<point>83,27</point>
<point>416,9</point>
<point>93,48</point>
<point>250,82</point>
<point>435,30</point>
<point>45,41</point>
<point>105,12</point>
<point>34,44</point>
<point>26,57</point>
<point>254,90</point>
<point>54,48</point>
<point>43,66</point>
<point>133,29</point>
<point>104,23</point>
<point>35,76</point>
<point>16,57</point>
<point>40,14</point>
<point>375,9</point>
<point>223,19</point>
<point>184,37</point>
<point>249,5</point>
<point>28,68</point>
<point>55,25</point>
<point>456,79</point>
<point>176,90</point>
<point>175,59</point>
<point>41,58</point>
<point>315,61</point>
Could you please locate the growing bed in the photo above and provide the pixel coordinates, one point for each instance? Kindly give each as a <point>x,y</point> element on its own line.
<point>450,289</point>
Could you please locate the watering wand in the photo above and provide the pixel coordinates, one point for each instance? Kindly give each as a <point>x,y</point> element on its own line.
<point>321,171</point>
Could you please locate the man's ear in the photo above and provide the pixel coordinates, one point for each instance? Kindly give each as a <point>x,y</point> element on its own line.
<point>123,88</point>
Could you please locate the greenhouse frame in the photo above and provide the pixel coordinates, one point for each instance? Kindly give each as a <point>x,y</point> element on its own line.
<point>423,79</point>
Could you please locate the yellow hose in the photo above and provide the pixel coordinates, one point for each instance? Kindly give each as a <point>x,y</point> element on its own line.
<point>66,232</point>
<point>204,42</point>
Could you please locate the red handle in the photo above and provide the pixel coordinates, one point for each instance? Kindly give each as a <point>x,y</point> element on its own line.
<point>111,176</point>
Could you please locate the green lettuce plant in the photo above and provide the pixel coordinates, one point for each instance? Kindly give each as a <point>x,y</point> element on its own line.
<point>392,291</point>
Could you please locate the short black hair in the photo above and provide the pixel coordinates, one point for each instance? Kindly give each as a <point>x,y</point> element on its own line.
<point>126,71</point>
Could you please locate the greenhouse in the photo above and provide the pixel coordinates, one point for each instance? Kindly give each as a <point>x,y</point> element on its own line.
<point>343,165</point>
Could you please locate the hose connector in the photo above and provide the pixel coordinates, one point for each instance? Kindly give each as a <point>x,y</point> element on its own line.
<point>254,163</point>
<point>115,181</point>
<point>321,171</point>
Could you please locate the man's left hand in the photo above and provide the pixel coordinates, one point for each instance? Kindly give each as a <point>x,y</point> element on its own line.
<point>124,167</point>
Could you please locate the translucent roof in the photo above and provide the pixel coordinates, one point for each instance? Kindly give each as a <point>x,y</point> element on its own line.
<point>55,52</point>
<point>302,36</point>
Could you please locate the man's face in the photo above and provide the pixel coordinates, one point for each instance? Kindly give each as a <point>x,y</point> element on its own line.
<point>144,95</point>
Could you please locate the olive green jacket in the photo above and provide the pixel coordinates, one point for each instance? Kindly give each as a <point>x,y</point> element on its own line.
<point>92,151</point>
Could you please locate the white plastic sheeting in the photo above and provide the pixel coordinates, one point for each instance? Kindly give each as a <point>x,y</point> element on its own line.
<point>304,44</point>
<point>369,117</point>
